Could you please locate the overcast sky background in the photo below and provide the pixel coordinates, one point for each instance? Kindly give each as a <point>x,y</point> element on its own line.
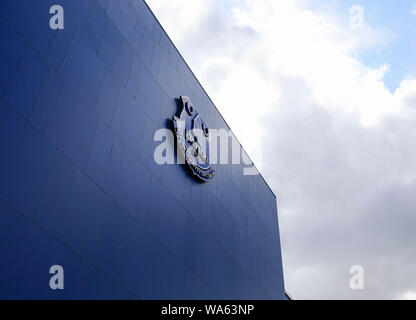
<point>326,107</point>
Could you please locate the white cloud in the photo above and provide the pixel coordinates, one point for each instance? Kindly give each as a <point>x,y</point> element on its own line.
<point>413,11</point>
<point>408,295</point>
<point>186,13</point>
<point>337,146</point>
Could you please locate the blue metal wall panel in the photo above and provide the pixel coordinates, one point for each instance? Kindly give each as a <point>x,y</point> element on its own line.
<point>78,184</point>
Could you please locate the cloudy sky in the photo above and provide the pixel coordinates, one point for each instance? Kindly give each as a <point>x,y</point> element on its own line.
<point>329,88</point>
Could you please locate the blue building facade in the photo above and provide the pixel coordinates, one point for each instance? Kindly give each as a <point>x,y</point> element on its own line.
<point>79,187</point>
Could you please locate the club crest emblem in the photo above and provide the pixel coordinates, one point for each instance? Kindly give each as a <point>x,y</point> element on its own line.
<point>193,136</point>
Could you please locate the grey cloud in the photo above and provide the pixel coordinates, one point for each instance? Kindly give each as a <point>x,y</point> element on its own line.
<point>411,101</point>
<point>213,34</point>
<point>343,198</point>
